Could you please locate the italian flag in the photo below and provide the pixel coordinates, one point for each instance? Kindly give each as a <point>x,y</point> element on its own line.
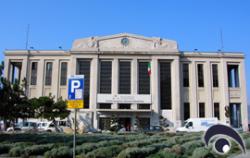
<point>149,68</point>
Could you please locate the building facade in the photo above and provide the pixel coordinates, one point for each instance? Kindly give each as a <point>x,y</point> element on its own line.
<point>137,80</point>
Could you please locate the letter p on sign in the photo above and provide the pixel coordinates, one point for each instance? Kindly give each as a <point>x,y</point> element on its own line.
<point>74,85</point>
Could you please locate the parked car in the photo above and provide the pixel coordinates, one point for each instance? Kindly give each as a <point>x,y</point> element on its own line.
<point>23,126</point>
<point>49,126</point>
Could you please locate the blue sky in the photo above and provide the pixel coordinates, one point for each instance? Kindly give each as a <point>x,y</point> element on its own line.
<point>192,23</point>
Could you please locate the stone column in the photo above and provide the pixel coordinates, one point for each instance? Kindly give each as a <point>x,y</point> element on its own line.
<point>193,91</point>
<point>155,92</point>
<point>223,82</point>
<point>175,79</point>
<point>208,89</point>
<point>7,68</point>
<point>243,92</point>
<point>55,78</point>
<point>40,77</point>
<point>93,89</point>
<point>72,66</point>
<point>115,78</point>
<point>134,80</point>
<point>23,70</point>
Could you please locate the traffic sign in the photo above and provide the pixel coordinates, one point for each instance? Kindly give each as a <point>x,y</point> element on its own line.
<point>75,100</point>
<point>75,91</point>
<point>76,87</point>
<point>75,104</point>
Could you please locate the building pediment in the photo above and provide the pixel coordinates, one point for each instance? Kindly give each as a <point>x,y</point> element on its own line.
<point>125,42</point>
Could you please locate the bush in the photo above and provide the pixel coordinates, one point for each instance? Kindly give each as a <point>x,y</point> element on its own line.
<point>16,151</point>
<point>164,154</point>
<point>247,143</point>
<point>143,142</point>
<point>61,152</point>
<point>178,149</point>
<point>87,147</point>
<point>190,146</point>
<point>137,152</point>
<point>4,148</point>
<point>38,149</point>
<point>104,152</point>
<point>201,152</point>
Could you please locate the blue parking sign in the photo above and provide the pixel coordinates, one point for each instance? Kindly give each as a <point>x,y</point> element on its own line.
<point>76,87</point>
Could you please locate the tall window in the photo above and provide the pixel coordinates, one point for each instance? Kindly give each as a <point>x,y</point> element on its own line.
<point>33,77</point>
<point>84,69</point>
<point>201,109</point>
<point>144,78</point>
<point>185,72</point>
<point>165,85</point>
<point>105,76</point>
<point>200,75</point>
<point>217,110</point>
<point>186,111</point>
<point>48,74</point>
<point>64,69</point>
<point>215,75</point>
<point>233,76</point>
<point>124,77</point>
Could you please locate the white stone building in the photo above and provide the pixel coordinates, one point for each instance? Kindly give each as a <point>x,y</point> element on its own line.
<point>117,83</point>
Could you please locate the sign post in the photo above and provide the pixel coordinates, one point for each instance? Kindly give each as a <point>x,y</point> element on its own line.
<point>75,100</point>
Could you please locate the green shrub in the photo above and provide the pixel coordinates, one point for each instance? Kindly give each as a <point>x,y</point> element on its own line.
<point>16,151</point>
<point>87,147</point>
<point>164,154</point>
<point>201,152</point>
<point>104,152</point>
<point>190,146</point>
<point>136,152</point>
<point>61,152</point>
<point>143,142</point>
<point>178,149</point>
<point>38,149</point>
<point>4,148</point>
<point>247,143</point>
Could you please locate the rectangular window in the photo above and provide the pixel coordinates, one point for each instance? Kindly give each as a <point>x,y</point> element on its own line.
<point>165,85</point>
<point>144,78</point>
<point>48,73</point>
<point>185,72</point>
<point>233,76</point>
<point>186,111</point>
<point>215,75</point>
<point>201,109</point>
<point>235,115</point>
<point>105,76</point>
<point>143,106</point>
<point>124,77</point>
<point>217,110</point>
<point>200,75</point>
<point>33,77</point>
<point>64,69</point>
<point>84,69</point>
<point>105,106</point>
<point>124,106</point>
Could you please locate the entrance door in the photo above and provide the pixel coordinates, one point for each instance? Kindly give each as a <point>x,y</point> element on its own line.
<point>125,123</point>
<point>235,115</point>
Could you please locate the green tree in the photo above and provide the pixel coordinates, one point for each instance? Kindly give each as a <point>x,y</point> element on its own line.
<point>14,103</point>
<point>45,107</point>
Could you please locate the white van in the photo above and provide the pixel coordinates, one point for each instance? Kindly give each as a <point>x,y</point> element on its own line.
<point>197,124</point>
